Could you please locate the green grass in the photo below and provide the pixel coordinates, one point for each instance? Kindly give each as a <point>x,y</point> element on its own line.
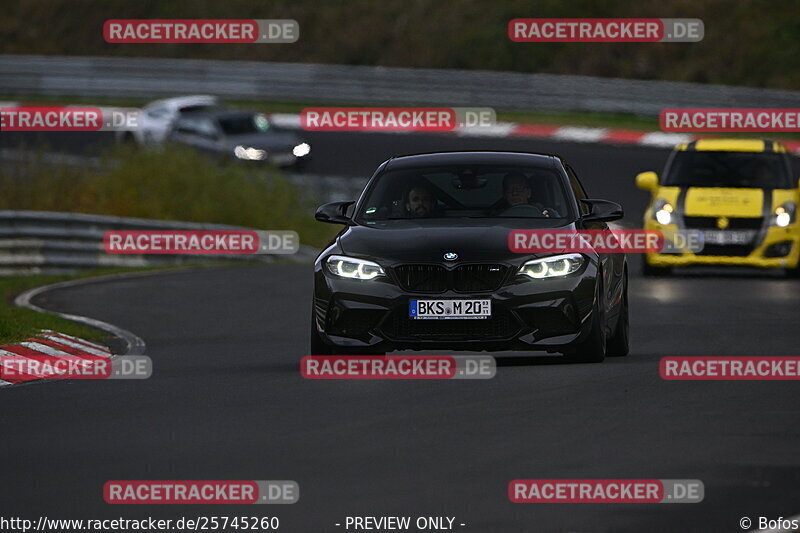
<point>18,324</point>
<point>173,184</point>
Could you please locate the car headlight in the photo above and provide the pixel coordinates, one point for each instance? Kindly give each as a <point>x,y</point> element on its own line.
<point>662,211</point>
<point>784,215</point>
<point>552,267</point>
<point>350,267</point>
<point>252,154</point>
<point>301,150</point>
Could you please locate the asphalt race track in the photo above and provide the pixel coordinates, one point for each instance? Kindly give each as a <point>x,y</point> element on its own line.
<point>226,400</point>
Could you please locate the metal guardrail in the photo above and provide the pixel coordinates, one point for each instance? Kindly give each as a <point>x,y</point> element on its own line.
<point>250,80</point>
<point>34,242</point>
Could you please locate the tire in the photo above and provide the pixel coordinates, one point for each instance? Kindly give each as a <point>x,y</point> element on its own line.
<point>793,273</point>
<point>653,271</point>
<point>593,348</point>
<point>618,344</point>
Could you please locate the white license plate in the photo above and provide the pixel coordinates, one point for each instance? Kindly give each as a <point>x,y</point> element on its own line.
<point>728,237</point>
<point>449,309</point>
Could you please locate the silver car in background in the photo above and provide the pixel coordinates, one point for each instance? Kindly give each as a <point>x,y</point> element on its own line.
<point>157,118</point>
<point>240,135</point>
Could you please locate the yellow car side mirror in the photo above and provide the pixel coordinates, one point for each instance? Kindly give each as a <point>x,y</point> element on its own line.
<point>647,180</point>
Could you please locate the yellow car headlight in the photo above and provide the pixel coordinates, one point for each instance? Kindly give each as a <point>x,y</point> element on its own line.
<point>662,211</point>
<point>784,215</point>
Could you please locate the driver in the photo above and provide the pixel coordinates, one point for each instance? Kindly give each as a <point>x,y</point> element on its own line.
<point>517,191</point>
<point>420,201</point>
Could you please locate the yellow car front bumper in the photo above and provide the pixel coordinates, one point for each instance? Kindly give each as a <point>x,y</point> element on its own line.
<point>756,258</point>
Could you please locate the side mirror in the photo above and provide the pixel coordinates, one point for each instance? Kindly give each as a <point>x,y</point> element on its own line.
<point>602,211</point>
<point>334,213</point>
<point>647,180</point>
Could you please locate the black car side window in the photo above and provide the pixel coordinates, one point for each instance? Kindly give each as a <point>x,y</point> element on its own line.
<point>186,126</point>
<point>577,189</point>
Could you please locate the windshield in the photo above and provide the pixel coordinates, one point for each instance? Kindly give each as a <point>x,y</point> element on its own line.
<point>729,169</point>
<point>476,191</point>
<point>244,124</point>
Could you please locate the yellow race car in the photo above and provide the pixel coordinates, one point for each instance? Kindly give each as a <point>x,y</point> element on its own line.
<point>737,196</point>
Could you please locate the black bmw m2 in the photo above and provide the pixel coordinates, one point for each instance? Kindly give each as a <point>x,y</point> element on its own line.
<point>424,263</point>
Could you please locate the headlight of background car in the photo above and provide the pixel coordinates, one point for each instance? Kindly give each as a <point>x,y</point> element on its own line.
<point>350,267</point>
<point>252,154</point>
<point>301,150</point>
<point>662,211</point>
<point>784,215</point>
<point>552,267</point>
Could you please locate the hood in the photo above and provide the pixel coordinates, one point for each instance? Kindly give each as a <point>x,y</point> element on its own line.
<point>724,201</point>
<point>428,240</point>
<point>271,140</point>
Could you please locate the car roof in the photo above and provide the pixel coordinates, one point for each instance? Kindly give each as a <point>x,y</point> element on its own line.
<point>732,145</point>
<point>471,158</point>
<point>183,101</point>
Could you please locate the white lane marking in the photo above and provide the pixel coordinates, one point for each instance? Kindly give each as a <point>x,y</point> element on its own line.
<point>658,138</point>
<point>584,135</point>
<point>500,129</point>
<point>134,344</point>
<point>87,349</point>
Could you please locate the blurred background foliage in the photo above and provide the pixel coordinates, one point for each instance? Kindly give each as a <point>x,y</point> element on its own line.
<point>172,184</point>
<point>747,42</point>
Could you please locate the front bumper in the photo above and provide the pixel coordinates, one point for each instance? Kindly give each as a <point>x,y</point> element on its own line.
<point>774,248</point>
<point>526,314</point>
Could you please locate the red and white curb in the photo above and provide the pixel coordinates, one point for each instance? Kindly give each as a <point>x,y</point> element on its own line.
<point>49,346</point>
<point>54,344</point>
<point>656,139</point>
